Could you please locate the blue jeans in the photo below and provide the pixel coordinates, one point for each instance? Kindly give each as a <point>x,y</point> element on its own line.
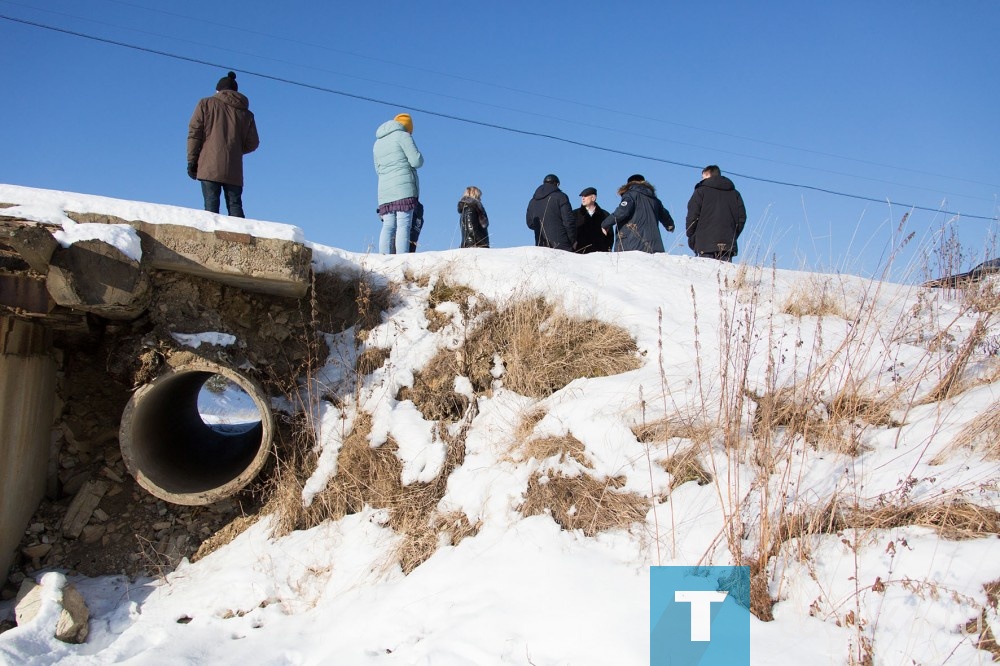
<point>234,197</point>
<point>395,227</point>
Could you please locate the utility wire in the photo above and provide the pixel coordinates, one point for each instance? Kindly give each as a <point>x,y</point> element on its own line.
<point>470,121</point>
<point>578,123</point>
<point>597,107</point>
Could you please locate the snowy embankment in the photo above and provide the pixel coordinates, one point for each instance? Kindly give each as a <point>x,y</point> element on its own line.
<point>855,521</point>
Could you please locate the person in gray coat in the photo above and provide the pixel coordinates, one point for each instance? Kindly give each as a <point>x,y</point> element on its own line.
<point>636,217</point>
<point>396,162</point>
<point>550,216</point>
<point>716,215</point>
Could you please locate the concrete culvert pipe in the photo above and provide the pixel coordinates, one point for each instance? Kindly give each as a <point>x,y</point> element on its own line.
<point>175,454</point>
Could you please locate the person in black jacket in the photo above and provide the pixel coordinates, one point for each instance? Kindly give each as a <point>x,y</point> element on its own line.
<point>550,216</point>
<point>715,216</point>
<point>588,217</point>
<point>472,220</point>
<point>636,217</point>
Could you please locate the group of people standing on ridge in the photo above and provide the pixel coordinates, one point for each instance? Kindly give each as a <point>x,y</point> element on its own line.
<point>715,218</point>
<point>223,129</point>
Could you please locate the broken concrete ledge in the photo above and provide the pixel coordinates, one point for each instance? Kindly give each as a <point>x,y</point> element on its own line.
<point>264,265</point>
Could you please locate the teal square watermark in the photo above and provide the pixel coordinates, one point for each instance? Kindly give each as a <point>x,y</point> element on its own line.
<point>699,616</point>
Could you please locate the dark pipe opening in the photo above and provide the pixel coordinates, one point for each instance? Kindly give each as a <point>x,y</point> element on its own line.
<point>176,455</point>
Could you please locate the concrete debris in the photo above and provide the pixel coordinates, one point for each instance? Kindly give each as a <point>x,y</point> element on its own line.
<point>73,624</point>
<point>82,507</point>
<point>74,620</point>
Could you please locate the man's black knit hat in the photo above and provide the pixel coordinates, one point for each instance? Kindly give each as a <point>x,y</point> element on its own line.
<point>227,82</point>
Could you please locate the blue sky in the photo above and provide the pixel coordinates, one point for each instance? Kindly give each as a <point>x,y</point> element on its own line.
<point>890,101</point>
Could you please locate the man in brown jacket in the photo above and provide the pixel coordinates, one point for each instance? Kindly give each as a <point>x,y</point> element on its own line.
<point>222,130</point>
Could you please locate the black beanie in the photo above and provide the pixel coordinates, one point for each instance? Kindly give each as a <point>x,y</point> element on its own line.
<point>634,178</point>
<point>227,82</point>
<point>551,178</point>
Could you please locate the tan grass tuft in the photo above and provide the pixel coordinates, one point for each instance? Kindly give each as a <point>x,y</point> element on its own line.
<point>233,529</point>
<point>816,297</point>
<point>669,428</point>
<point>583,503</point>
<point>981,434</point>
<point>371,359</point>
<point>783,408</point>
<point>761,603</point>
<point>983,296</point>
<point>371,476</point>
<point>526,425</point>
<point>565,447</point>
<point>950,384</point>
<point>834,425</point>
<point>445,291</point>
<point>954,519</point>
<point>433,390</point>
<point>979,626</point>
<point>544,349</point>
<point>685,466</point>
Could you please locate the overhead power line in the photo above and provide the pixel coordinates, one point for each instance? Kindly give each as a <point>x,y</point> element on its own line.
<point>470,121</point>
<point>494,84</point>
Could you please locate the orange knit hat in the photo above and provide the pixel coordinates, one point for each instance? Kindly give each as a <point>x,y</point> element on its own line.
<point>406,121</point>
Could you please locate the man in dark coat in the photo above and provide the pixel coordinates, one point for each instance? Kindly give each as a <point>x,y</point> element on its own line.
<point>222,130</point>
<point>588,217</point>
<point>636,217</point>
<point>715,217</point>
<point>551,217</point>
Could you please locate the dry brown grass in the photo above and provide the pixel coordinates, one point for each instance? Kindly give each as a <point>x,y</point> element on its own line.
<point>444,291</point>
<point>526,425</point>
<point>950,383</point>
<point>564,447</point>
<point>433,390</point>
<point>685,466</point>
<point>983,296</point>
<point>953,519</point>
<point>543,349</point>
<point>341,301</point>
<point>224,536</point>
<point>981,434</point>
<point>831,425</point>
<point>784,408</point>
<point>668,428</point>
<point>583,503</point>
<point>371,476</point>
<point>980,626</point>
<point>371,359</point>
<point>816,298</point>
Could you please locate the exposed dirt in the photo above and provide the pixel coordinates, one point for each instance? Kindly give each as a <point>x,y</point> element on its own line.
<point>131,532</point>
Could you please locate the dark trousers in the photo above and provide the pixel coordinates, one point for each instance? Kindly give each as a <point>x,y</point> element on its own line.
<point>721,256</point>
<point>416,224</point>
<point>234,197</point>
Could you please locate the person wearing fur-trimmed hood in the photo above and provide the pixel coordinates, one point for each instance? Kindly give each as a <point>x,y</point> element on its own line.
<point>636,217</point>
